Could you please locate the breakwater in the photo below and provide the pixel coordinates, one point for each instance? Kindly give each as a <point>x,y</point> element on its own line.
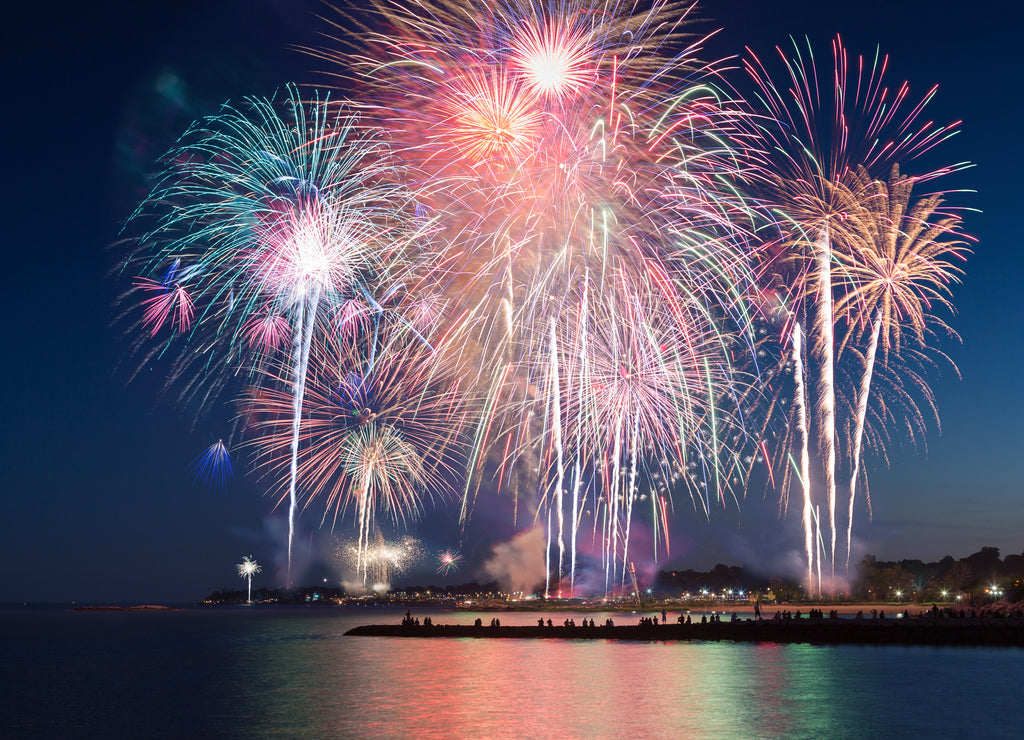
<point>987,632</point>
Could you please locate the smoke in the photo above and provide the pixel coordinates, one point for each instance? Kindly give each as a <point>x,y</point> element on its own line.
<point>272,541</point>
<point>276,533</point>
<point>354,586</point>
<point>518,565</point>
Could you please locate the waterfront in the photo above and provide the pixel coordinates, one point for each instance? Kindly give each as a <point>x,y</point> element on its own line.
<point>288,672</point>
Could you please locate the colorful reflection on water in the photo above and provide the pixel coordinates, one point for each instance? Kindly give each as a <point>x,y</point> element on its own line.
<point>487,688</point>
<point>292,673</point>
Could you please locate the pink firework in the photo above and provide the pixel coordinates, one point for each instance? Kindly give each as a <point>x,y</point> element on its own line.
<point>448,561</point>
<point>269,331</point>
<point>351,317</point>
<point>167,302</point>
<point>565,151</point>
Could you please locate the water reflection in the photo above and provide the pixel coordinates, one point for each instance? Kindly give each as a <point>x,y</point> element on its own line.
<point>551,688</point>
<point>291,673</point>
<point>302,677</point>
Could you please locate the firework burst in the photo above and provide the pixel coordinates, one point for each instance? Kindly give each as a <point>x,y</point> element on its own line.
<point>607,284</point>
<point>814,134</point>
<point>213,467</point>
<point>265,214</point>
<point>900,271</point>
<point>576,168</point>
<point>382,425</point>
<point>448,561</point>
<point>247,569</point>
<point>380,559</point>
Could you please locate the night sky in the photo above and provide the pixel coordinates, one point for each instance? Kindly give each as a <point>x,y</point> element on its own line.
<point>97,500</point>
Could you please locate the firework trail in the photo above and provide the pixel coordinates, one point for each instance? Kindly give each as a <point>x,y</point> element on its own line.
<point>264,215</point>
<point>805,463</point>
<point>804,163</point>
<point>383,421</point>
<point>823,353</point>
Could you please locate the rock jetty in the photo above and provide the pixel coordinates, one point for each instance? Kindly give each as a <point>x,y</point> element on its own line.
<point>995,631</point>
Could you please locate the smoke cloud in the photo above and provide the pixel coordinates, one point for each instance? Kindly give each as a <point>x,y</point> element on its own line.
<point>518,565</point>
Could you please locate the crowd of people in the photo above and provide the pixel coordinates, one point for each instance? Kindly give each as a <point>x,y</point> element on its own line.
<point>1013,614</point>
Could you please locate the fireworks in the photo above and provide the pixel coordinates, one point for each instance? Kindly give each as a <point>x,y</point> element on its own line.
<point>378,561</point>
<point>213,467</point>
<point>448,561</point>
<point>263,220</point>
<point>902,266</point>
<point>381,429</point>
<point>578,273</point>
<point>247,569</point>
<point>582,180</point>
<point>815,177</point>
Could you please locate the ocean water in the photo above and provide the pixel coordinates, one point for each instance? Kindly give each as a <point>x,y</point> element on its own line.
<point>290,672</point>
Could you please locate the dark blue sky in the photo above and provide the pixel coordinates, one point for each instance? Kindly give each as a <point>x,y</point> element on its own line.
<point>97,504</point>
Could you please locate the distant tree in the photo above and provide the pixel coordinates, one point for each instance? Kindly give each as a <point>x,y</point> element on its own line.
<point>894,579</point>
<point>719,577</point>
<point>985,563</point>
<point>861,587</point>
<point>921,572</point>
<point>1015,590</point>
<point>879,580</point>
<point>956,577</point>
<point>722,576</point>
<point>786,589</point>
<point>1013,566</point>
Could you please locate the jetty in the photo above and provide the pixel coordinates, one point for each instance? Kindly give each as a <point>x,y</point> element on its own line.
<point>1007,632</point>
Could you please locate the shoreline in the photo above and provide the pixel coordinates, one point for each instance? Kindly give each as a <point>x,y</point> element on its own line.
<point>742,609</point>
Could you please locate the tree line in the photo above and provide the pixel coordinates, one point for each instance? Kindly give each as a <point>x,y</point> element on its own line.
<point>979,576</point>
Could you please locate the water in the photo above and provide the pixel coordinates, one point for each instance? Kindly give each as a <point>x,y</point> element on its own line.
<point>279,672</point>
